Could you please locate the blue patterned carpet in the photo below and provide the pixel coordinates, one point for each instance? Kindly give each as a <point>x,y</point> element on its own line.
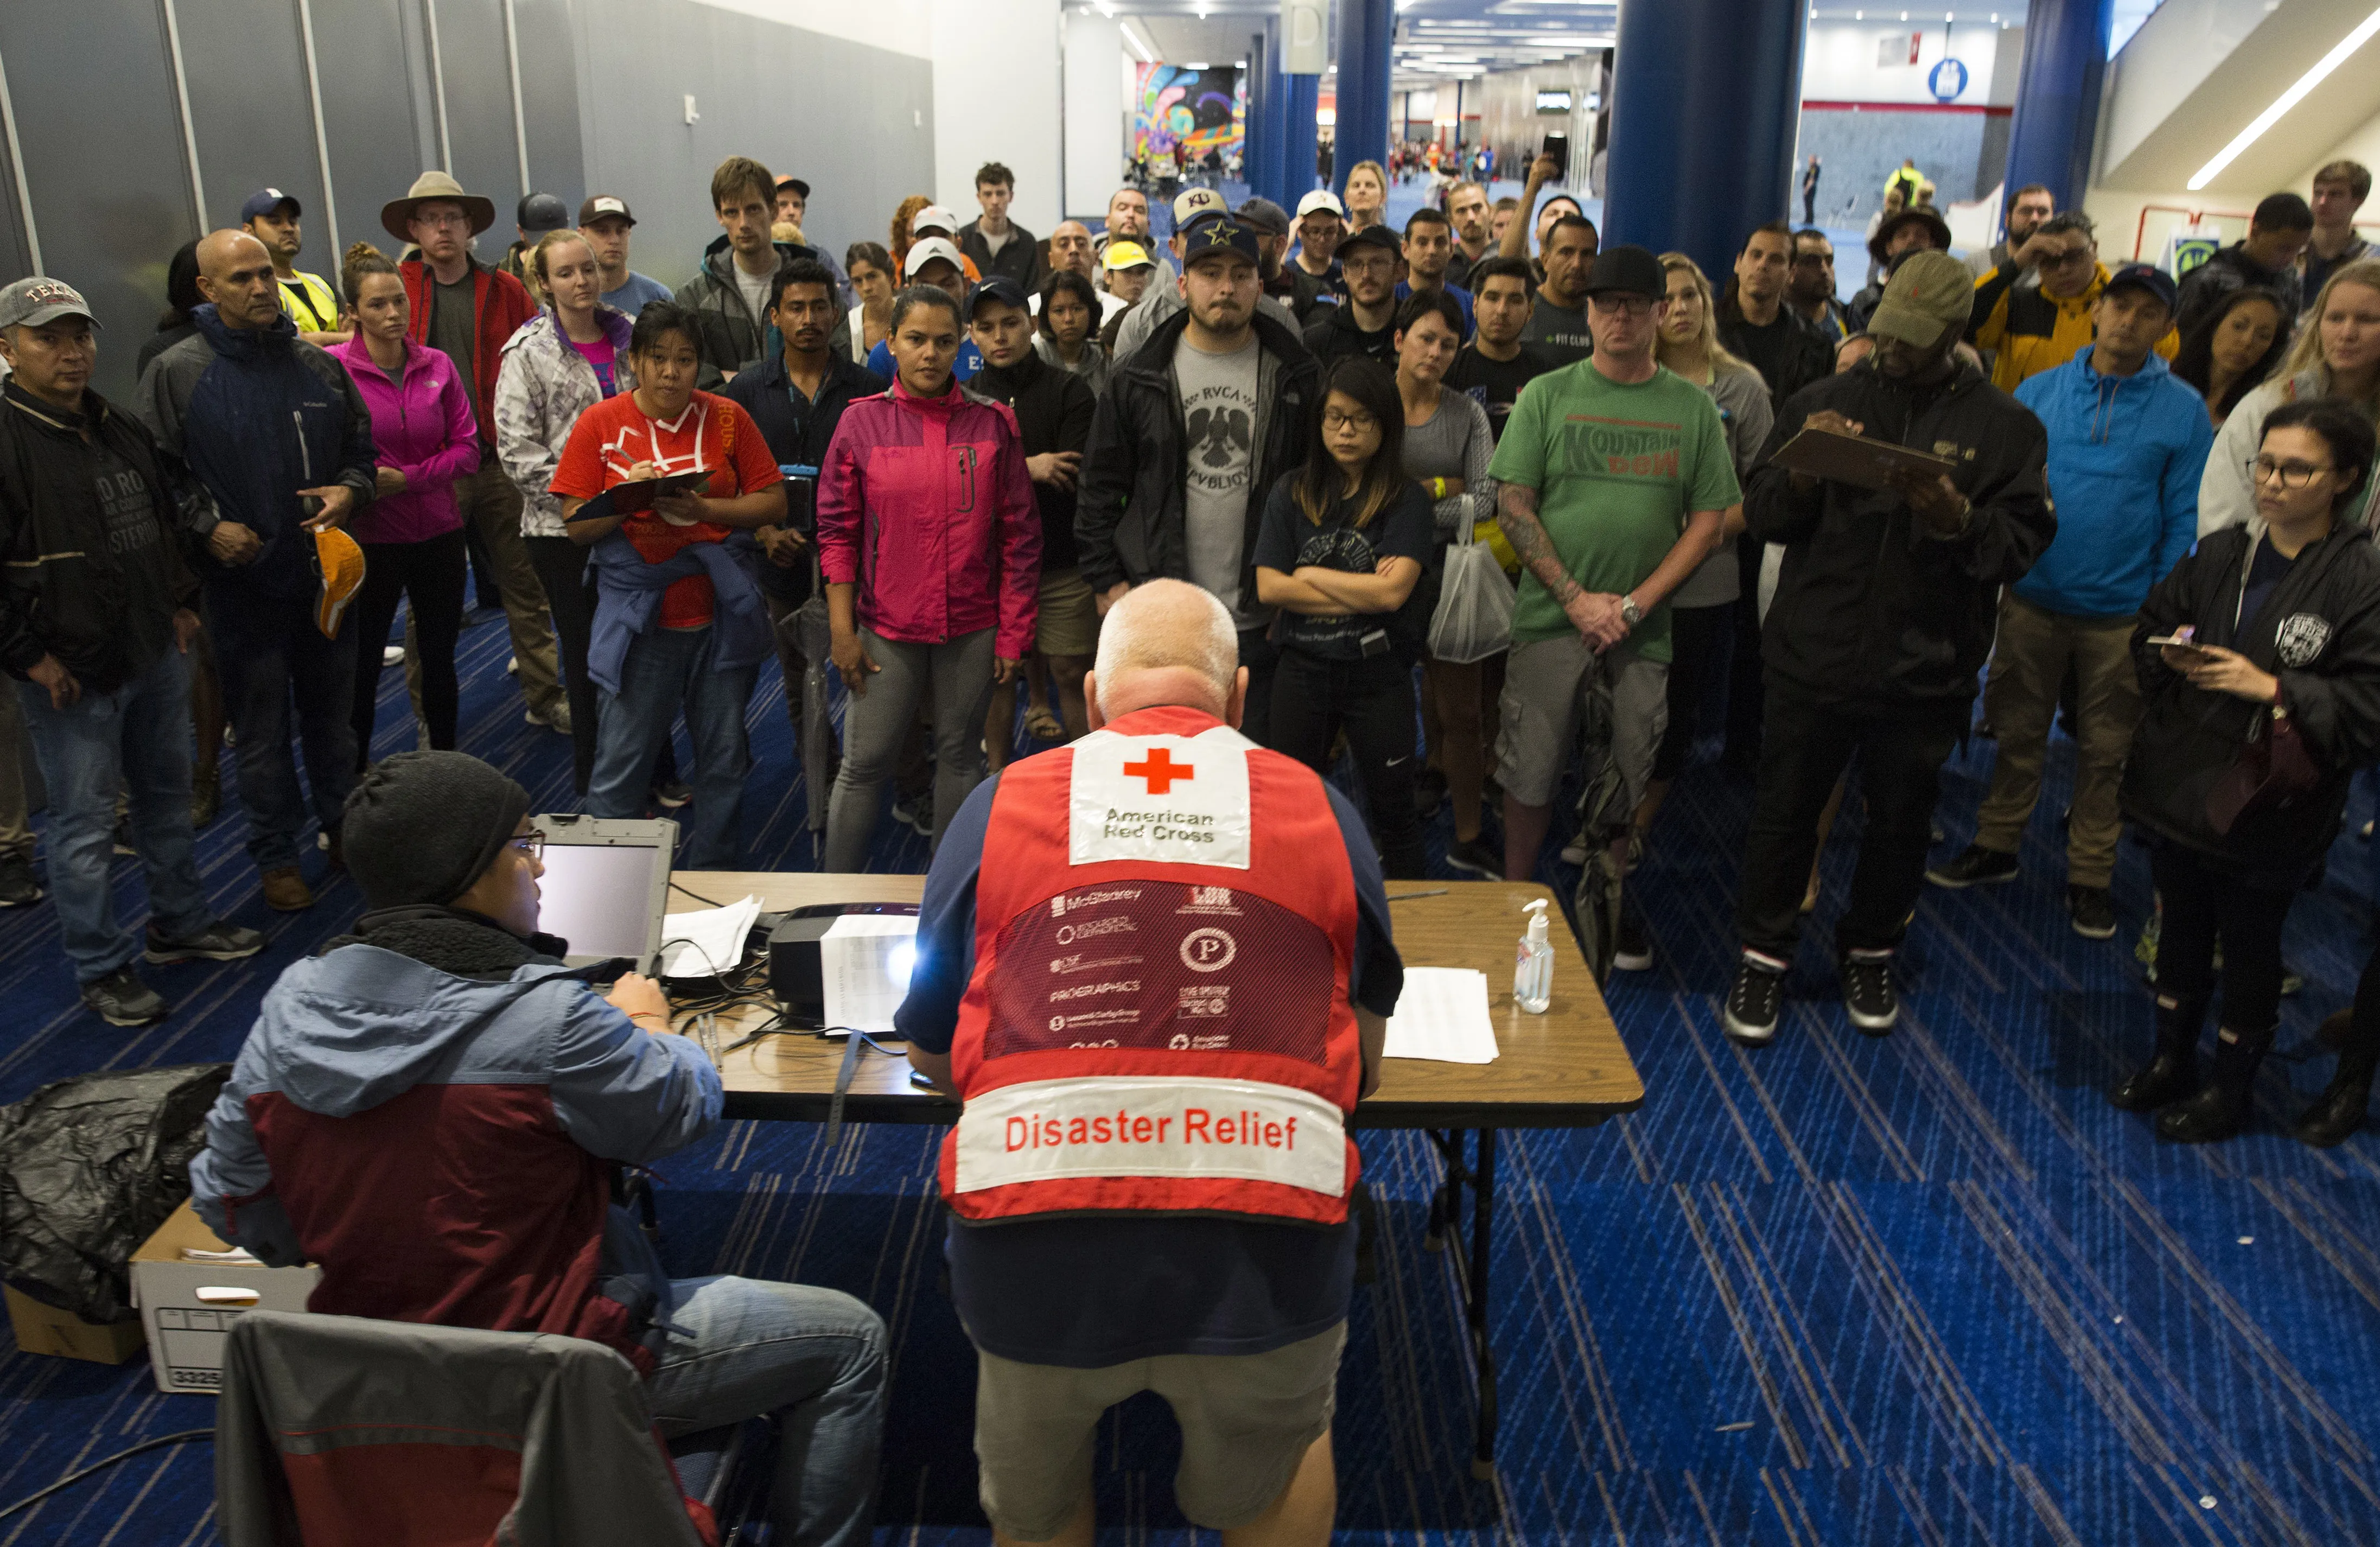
<point>1929,1290</point>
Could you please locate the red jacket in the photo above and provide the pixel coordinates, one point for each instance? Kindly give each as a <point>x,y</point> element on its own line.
<point>926,504</point>
<point>503,305</point>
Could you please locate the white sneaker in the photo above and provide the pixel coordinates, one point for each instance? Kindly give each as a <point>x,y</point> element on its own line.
<point>393,655</point>
<point>1574,851</point>
<point>511,666</point>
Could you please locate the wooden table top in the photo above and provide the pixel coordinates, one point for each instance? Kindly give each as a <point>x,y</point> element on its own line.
<point>1565,1068</point>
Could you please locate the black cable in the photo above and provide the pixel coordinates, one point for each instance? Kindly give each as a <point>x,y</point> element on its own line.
<point>30,1500</point>
<point>694,895</point>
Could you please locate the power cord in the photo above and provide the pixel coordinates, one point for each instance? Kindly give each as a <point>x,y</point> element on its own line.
<point>30,1500</point>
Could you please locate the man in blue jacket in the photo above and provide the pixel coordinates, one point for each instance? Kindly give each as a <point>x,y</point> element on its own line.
<point>2128,439</point>
<point>265,422</point>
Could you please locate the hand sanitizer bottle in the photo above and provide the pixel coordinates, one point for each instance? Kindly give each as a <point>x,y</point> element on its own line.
<point>1533,965</point>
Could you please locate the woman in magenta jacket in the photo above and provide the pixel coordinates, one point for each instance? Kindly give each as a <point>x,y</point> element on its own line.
<point>412,531</point>
<point>930,546</point>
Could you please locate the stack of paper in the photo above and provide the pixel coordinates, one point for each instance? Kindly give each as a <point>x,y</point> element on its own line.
<point>1443,1016</point>
<point>709,941</point>
<point>864,959</point>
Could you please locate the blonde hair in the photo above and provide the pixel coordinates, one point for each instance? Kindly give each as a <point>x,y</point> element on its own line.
<point>2307,352</point>
<point>1379,175</point>
<point>1722,361</point>
<point>535,263</point>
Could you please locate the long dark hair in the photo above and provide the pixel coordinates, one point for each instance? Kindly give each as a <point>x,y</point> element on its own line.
<point>1075,285</point>
<point>2195,362</point>
<point>182,296</point>
<point>1374,388</point>
<point>658,321</point>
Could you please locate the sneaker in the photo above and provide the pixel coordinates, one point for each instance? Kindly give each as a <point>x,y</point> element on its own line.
<point>916,812</point>
<point>671,794</point>
<point>391,656</point>
<point>218,942</point>
<point>1574,851</point>
<point>1869,997</point>
<point>1974,867</point>
<point>1753,1003</point>
<point>555,719</point>
<point>1476,859</point>
<point>18,886</point>
<point>1429,793</point>
<point>122,999</point>
<point>2092,911</point>
<point>512,665</point>
<point>286,891</point>
<point>1632,952</point>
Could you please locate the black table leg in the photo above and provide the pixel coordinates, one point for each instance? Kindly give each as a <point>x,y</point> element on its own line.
<point>1483,1219</point>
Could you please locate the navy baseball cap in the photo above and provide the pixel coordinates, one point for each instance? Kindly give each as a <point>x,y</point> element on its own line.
<point>1219,233</point>
<point>541,212</point>
<point>264,201</point>
<point>2149,278</point>
<point>999,287</point>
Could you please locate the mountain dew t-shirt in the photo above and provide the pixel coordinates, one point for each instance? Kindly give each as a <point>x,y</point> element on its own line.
<point>1618,469</point>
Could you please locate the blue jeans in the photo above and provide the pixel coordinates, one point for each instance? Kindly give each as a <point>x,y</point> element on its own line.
<point>667,670</point>
<point>815,1357</point>
<point>136,739</point>
<point>268,652</point>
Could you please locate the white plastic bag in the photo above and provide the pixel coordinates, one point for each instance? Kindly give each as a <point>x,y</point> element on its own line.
<point>1475,605</point>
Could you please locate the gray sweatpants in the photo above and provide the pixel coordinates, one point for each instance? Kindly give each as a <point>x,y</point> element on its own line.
<point>958,674</point>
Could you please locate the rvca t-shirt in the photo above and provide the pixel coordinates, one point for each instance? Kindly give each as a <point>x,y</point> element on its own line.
<point>1288,541</point>
<point>1218,419</point>
<point>1618,469</point>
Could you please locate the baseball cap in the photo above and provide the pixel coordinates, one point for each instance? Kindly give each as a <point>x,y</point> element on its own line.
<point>1631,270</point>
<point>604,206</point>
<point>934,217</point>
<point>2149,278</point>
<point>264,201</point>
<point>1218,234</point>
<point>927,251</point>
<point>999,287</point>
<point>541,212</point>
<point>1321,198</point>
<point>1127,255</point>
<point>1266,216</point>
<point>30,302</point>
<point>798,186</point>
<point>1929,294</point>
<point>1197,204</point>
<point>1371,236</point>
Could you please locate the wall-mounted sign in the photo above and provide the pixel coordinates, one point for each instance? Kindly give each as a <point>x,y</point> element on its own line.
<point>1897,50</point>
<point>1305,46</point>
<point>1947,79</point>
<point>1553,102</point>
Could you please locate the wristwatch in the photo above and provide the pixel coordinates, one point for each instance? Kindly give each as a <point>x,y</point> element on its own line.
<point>1630,614</point>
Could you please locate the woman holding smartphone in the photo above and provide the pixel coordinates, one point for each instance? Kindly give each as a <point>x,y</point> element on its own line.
<point>2263,647</point>
<point>1341,553</point>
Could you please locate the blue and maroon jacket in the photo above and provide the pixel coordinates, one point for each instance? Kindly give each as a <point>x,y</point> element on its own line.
<point>441,1145</point>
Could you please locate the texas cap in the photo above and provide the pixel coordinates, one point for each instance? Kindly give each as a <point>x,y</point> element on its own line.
<point>32,301</point>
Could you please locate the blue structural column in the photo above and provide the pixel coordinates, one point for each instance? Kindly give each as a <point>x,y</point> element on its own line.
<point>1262,141</point>
<point>2058,96</point>
<point>1705,105</point>
<point>1365,30</point>
<point>1301,100</point>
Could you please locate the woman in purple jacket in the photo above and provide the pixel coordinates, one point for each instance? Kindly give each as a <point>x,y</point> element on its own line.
<point>412,532</point>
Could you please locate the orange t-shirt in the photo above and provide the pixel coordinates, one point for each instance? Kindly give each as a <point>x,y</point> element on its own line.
<point>710,434</point>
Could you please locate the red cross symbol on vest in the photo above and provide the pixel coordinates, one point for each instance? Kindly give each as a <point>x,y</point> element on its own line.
<point>1161,772</point>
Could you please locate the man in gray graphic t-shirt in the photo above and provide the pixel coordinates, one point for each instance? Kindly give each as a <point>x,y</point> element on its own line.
<point>1219,418</point>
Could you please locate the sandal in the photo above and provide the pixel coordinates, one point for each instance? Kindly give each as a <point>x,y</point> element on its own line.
<point>1042,726</point>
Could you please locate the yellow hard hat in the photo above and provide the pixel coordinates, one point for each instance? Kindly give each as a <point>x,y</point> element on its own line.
<point>339,560</point>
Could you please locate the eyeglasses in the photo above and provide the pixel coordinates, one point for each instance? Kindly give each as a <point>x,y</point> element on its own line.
<point>2293,475</point>
<point>1334,420</point>
<point>531,843</point>
<point>442,222</point>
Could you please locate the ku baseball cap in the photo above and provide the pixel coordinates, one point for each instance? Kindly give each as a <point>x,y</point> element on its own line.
<point>934,217</point>
<point>264,201</point>
<point>1218,234</point>
<point>1929,293</point>
<point>927,251</point>
<point>1321,198</point>
<point>539,212</point>
<point>604,206</point>
<point>1627,270</point>
<point>2149,278</point>
<point>30,302</point>
<point>1197,204</point>
<point>1127,255</point>
<point>1001,288</point>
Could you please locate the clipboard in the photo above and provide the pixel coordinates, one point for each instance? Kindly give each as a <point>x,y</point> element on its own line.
<point>1855,459</point>
<point>636,499</point>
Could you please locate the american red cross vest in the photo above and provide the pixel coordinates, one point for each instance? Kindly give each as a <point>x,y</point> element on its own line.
<point>1158,1019</point>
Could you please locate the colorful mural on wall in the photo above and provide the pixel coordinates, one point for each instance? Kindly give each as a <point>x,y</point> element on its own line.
<point>1202,110</point>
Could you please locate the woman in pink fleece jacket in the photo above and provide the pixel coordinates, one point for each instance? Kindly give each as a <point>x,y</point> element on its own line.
<point>412,532</point>
<point>930,546</point>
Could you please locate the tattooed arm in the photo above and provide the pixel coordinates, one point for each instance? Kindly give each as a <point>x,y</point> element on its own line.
<point>1595,614</point>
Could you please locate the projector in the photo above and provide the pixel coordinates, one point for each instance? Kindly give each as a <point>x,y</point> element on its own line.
<point>796,964</point>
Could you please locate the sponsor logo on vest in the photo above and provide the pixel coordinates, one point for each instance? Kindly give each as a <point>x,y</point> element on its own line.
<point>1208,950</point>
<point>1171,799</point>
<point>1124,1127</point>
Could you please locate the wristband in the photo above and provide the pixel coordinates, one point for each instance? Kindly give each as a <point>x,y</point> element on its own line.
<point>1438,488</point>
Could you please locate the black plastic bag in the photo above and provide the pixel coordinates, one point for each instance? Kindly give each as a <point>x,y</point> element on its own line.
<point>90,1167</point>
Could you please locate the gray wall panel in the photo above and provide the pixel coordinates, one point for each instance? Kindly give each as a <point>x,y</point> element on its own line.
<point>479,111</point>
<point>246,66</point>
<point>549,82</point>
<point>376,111</point>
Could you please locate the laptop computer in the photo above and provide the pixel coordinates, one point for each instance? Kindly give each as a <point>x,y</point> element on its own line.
<point>606,886</point>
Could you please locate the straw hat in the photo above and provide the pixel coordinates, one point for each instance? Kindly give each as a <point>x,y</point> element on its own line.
<point>397,215</point>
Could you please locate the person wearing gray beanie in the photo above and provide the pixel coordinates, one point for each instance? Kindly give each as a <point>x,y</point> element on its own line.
<point>420,827</point>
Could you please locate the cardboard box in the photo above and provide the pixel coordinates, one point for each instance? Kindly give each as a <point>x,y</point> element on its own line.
<point>187,1307</point>
<point>44,1329</point>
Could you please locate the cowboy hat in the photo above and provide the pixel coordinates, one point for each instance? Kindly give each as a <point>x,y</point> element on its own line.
<point>397,215</point>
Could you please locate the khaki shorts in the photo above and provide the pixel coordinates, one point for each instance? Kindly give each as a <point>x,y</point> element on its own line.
<point>1247,1421</point>
<point>1538,718</point>
<point>1069,620</point>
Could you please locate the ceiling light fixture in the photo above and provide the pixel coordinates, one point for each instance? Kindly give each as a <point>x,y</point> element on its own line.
<point>2286,99</point>
<point>1133,41</point>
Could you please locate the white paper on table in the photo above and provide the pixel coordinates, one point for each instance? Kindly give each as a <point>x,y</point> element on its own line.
<point>864,962</point>
<point>709,941</point>
<point>1443,1016</point>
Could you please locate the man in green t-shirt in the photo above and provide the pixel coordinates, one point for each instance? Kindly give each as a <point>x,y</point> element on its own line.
<point>1616,480</point>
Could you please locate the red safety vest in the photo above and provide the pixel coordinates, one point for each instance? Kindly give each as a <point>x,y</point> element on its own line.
<point>1165,920</point>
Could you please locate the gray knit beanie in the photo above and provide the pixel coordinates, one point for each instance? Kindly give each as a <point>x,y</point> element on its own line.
<point>420,827</point>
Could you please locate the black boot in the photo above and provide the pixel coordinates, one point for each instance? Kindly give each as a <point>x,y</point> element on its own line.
<point>2221,1109</point>
<point>2338,1111</point>
<point>2173,1072</point>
